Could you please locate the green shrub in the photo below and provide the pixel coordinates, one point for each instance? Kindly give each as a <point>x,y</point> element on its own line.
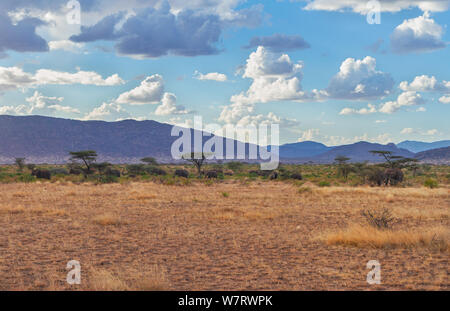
<point>431,183</point>
<point>59,171</point>
<point>135,169</point>
<point>146,177</point>
<point>153,170</point>
<point>26,178</point>
<point>107,179</point>
<point>324,183</point>
<point>235,166</point>
<point>225,194</point>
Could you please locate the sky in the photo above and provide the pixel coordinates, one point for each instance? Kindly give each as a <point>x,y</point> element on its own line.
<point>335,72</point>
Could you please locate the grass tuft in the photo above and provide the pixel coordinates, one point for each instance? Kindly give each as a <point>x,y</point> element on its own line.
<point>370,237</point>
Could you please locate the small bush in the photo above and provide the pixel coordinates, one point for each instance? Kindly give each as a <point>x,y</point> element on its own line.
<point>26,178</point>
<point>107,179</point>
<point>324,183</point>
<point>107,219</point>
<point>296,176</point>
<point>431,183</point>
<point>235,166</point>
<point>59,171</point>
<point>112,172</point>
<point>274,176</point>
<point>211,174</point>
<point>182,173</point>
<point>381,219</point>
<point>135,169</point>
<point>225,194</point>
<point>152,170</point>
<point>303,190</point>
<point>75,171</point>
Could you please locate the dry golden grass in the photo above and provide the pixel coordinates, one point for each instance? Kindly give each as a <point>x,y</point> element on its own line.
<point>103,280</point>
<point>107,219</point>
<point>366,236</point>
<point>386,191</point>
<point>153,279</point>
<point>261,236</point>
<point>39,210</point>
<point>390,198</point>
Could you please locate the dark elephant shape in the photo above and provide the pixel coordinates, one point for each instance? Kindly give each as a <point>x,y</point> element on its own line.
<point>41,174</point>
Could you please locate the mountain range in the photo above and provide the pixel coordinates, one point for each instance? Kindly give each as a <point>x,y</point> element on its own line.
<point>419,146</point>
<point>49,140</point>
<point>357,152</point>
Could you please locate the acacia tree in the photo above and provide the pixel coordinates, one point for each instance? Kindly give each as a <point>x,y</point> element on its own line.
<point>88,157</point>
<point>149,161</point>
<point>196,158</point>
<point>20,162</point>
<point>102,167</point>
<point>343,167</point>
<point>393,174</point>
<point>392,161</point>
<point>414,167</point>
<point>362,170</point>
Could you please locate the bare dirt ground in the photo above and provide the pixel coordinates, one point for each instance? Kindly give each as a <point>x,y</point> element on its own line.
<point>226,236</point>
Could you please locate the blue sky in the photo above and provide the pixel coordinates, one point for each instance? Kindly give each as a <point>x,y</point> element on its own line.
<point>317,68</point>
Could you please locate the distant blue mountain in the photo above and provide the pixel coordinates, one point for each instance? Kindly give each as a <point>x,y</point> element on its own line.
<point>49,140</point>
<point>435,156</point>
<point>419,146</point>
<point>302,149</point>
<point>358,152</point>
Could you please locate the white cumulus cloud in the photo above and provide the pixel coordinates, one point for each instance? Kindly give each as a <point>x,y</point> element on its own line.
<point>47,76</point>
<point>359,79</point>
<point>150,91</point>
<point>236,111</point>
<point>275,78</point>
<point>39,104</point>
<point>213,76</point>
<point>407,130</point>
<point>420,34</point>
<point>361,7</point>
<point>65,45</point>
<point>370,109</point>
<point>169,106</point>
<point>12,78</point>
<point>425,83</point>
<point>335,140</point>
<point>108,112</point>
<point>445,99</point>
<point>405,99</point>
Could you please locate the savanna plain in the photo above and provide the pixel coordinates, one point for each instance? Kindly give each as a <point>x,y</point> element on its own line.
<point>246,233</point>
